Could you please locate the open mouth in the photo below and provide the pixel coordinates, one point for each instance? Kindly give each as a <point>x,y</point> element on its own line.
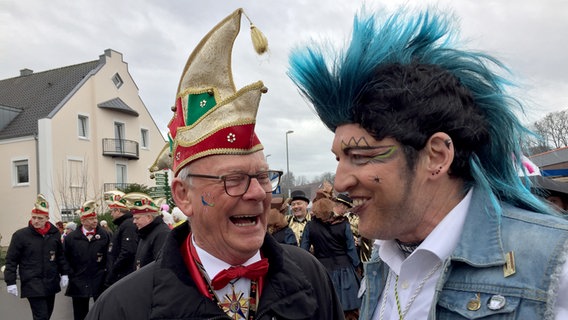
<point>244,221</point>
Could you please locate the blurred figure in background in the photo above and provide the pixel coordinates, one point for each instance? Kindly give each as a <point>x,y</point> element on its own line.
<point>86,251</point>
<point>278,225</point>
<point>300,216</point>
<point>152,230</point>
<point>334,246</point>
<point>122,249</point>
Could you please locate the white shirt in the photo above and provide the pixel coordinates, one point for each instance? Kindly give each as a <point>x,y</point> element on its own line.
<point>213,265</point>
<point>413,270</point>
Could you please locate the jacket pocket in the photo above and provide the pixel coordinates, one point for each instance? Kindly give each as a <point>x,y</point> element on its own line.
<point>454,304</point>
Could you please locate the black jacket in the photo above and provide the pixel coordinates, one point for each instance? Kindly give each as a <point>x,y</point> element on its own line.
<point>87,260</point>
<point>296,286</point>
<point>122,249</point>
<point>150,241</point>
<point>39,260</point>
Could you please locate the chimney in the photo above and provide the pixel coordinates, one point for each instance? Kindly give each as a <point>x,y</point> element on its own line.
<point>26,72</point>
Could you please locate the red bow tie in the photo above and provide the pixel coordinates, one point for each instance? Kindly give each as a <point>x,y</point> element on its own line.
<point>90,233</point>
<point>253,271</point>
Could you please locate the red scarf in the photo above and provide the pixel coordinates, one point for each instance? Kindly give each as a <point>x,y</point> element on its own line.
<point>43,231</point>
<point>190,257</point>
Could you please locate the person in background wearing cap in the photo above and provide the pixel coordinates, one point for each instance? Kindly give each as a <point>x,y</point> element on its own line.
<point>122,248</point>
<point>35,254</point>
<point>424,136</point>
<point>300,216</point>
<point>342,207</point>
<point>152,230</point>
<point>86,251</point>
<point>222,263</point>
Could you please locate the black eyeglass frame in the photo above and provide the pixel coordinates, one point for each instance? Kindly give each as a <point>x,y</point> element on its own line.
<point>250,176</point>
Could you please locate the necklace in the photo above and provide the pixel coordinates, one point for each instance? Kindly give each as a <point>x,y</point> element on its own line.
<point>402,313</point>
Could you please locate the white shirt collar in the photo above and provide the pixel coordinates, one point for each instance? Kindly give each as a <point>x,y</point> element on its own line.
<point>213,265</point>
<point>440,242</point>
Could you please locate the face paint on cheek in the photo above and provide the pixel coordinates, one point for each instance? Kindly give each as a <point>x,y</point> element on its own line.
<point>206,202</point>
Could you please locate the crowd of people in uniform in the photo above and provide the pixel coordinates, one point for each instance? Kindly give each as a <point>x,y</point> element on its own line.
<point>86,257</point>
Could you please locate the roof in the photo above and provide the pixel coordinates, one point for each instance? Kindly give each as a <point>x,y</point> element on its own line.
<point>118,105</point>
<point>35,95</point>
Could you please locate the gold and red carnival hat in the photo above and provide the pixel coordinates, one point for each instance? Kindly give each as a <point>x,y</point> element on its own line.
<point>41,205</point>
<point>139,202</point>
<point>88,209</point>
<point>210,116</point>
<point>115,199</point>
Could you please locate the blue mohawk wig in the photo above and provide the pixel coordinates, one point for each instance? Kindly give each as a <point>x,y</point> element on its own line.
<point>378,82</point>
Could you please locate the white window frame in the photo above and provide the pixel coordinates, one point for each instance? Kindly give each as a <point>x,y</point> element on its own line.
<point>15,178</point>
<point>83,119</point>
<point>144,138</point>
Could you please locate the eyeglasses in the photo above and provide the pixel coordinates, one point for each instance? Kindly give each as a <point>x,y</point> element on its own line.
<point>237,184</point>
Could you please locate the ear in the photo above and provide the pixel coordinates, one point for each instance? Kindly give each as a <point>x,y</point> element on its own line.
<point>440,154</point>
<point>181,195</point>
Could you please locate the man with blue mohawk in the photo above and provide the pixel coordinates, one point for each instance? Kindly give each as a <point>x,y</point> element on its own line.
<point>428,148</point>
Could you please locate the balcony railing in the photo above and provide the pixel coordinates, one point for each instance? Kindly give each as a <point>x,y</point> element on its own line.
<point>121,148</point>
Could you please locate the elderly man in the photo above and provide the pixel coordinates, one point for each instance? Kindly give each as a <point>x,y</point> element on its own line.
<point>36,255</point>
<point>225,266</point>
<point>86,250</point>
<point>428,147</point>
<point>152,230</point>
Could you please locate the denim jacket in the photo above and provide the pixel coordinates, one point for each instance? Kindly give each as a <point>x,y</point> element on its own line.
<point>476,266</point>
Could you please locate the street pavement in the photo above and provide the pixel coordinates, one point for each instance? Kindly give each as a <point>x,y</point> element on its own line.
<point>16,308</point>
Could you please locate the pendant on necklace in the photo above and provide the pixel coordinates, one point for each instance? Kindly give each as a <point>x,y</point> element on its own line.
<point>235,305</point>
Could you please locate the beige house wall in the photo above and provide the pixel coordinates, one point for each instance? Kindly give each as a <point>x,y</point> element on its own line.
<point>17,200</point>
<point>62,151</point>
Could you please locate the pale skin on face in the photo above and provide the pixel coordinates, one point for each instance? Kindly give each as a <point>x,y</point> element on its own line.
<point>90,223</point>
<point>210,208</point>
<point>142,219</point>
<point>299,208</point>
<point>39,220</point>
<point>402,204</point>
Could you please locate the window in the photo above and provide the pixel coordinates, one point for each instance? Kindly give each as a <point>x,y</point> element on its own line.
<point>121,175</point>
<point>144,138</point>
<point>21,172</point>
<point>83,126</point>
<point>117,80</point>
<point>76,173</point>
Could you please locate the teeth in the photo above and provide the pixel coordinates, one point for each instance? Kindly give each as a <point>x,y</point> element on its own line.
<point>245,224</point>
<point>358,202</point>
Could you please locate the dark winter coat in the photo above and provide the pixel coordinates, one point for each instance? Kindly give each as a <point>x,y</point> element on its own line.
<point>151,238</point>
<point>286,236</point>
<point>122,249</point>
<point>39,260</point>
<point>87,260</point>
<point>296,287</point>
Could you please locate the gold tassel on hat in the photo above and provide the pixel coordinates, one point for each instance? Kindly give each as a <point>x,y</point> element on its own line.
<point>258,39</point>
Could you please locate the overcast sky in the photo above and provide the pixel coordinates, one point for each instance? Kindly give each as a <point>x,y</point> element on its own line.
<point>156,38</point>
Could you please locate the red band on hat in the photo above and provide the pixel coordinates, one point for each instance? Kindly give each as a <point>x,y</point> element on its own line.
<point>92,214</point>
<point>36,211</point>
<point>238,138</point>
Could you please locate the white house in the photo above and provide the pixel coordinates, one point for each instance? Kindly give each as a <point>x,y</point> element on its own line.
<point>71,133</point>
